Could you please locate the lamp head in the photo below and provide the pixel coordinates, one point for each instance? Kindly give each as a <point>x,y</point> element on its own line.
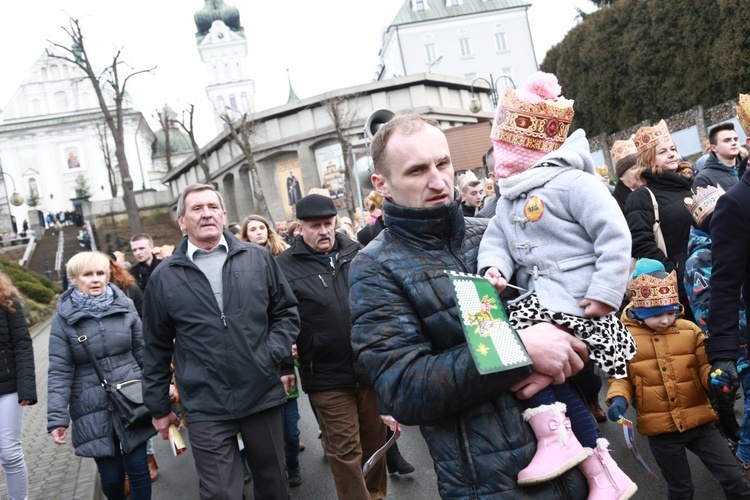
<point>16,199</point>
<point>474,105</point>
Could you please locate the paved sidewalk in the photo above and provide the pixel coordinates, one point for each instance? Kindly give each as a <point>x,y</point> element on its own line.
<point>55,473</point>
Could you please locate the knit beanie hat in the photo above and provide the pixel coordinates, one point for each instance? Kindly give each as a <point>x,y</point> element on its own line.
<point>624,155</point>
<point>653,291</point>
<point>529,123</point>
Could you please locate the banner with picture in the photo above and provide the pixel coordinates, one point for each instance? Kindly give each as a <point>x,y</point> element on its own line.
<point>289,179</point>
<point>330,162</point>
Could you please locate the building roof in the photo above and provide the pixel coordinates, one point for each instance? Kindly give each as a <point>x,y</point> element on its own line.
<point>468,145</point>
<point>214,10</point>
<point>439,10</point>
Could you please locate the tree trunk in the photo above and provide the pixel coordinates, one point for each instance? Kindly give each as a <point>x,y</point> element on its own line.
<point>128,196</point>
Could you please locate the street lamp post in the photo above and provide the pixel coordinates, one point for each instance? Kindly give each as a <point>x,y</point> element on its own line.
<point>16,199</point>
<point>475,106</point>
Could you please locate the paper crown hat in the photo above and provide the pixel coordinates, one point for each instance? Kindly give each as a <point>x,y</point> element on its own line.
<point>652,290</point>
<point>648,137</point>
<point>467,178</point>
<point>534,117</point>
<point>623,149</point>
<point>702,204</point>
<point>743,112</point>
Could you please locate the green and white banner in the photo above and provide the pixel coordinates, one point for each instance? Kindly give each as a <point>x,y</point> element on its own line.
<point>494,344</point>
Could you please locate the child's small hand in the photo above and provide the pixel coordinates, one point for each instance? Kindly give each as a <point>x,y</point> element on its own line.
<point>594,308</point>
<point>493,275</point>
<point>617,408</point>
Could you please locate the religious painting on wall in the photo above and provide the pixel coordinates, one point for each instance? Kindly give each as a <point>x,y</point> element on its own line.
<point>289,179</point>
<point>330,162</point>
<point>72,159</point>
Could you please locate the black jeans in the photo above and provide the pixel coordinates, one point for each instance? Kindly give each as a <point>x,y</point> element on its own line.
<point>707,444</point>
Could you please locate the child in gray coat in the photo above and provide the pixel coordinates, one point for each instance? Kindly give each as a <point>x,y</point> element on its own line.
<point>562,235</point>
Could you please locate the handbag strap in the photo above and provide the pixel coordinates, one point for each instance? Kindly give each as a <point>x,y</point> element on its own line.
<point>83,340</point>
<point>658,236</point>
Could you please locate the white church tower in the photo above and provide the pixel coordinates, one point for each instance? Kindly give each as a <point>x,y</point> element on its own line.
<point>223,49</point>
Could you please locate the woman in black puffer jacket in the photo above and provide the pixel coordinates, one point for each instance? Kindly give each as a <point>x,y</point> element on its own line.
<point>17,387</point>
<point>108,319</point>
<point>669,179</point>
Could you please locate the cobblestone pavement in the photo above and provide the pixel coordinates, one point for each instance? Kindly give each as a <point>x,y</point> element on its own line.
<point>55,473</point>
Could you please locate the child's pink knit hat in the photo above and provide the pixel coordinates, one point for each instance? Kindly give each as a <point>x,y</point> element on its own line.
<point>529,123</point>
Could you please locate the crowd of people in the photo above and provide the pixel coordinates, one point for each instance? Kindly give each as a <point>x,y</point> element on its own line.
<point>641,284</point>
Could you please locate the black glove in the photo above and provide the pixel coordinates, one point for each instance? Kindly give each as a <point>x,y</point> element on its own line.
<point>723,379</point>
<point>617,408</point>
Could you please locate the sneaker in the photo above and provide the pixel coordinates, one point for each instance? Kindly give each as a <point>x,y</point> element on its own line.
<point>597,412</point>
<point>293,476</point>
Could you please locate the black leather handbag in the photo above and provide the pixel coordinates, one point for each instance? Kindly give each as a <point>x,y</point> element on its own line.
<point>126,396</point>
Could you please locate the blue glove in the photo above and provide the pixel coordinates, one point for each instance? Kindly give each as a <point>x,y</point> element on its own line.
<point>723,379</point>
<point>617,408</point>
<point>742,362</point>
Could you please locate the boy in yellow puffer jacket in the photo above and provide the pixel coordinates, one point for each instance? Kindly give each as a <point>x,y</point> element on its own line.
<point>666,378</point>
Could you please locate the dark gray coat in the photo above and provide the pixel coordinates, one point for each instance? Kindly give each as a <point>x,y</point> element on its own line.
<point>74,390</point>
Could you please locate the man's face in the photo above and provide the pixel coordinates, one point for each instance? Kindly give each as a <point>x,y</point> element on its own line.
<point>630,178</point>
<point>204,218</point>
<point>319,233</point>
<point>472,195</point>
<point>281,230</point>
<point>727,145</point>
<point>421,172</point>
<point>143,251</point>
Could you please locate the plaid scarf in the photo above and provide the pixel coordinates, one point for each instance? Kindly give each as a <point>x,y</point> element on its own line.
<point>95,306</point>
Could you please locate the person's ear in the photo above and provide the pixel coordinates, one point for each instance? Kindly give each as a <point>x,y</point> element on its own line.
<point>381,185</point>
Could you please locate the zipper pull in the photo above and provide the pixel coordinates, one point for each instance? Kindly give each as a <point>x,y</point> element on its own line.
<point>323,281</point>
<point>224,320</point>
<point>311,368</point>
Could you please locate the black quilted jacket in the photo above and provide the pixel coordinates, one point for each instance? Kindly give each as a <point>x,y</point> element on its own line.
<point>407,333</point>
<point>16,355</point>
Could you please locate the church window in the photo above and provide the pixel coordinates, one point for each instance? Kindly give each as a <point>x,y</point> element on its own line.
<point>232,102</point>
<point>245,102</point>
<point>430,52</point>
<point>227,72</point>
<point>43,74</point>
<point>215,72</point>
<point>500,42</point>
<point>61,102</point>
<point>420,5</point>
<point>452,3</point>
<point>465,47</point>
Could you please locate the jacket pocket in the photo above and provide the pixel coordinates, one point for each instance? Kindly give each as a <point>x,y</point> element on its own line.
<point>576,273</point>
<point>7,365</point>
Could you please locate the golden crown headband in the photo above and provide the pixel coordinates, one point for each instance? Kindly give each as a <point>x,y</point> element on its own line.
<point>647,291</point>
<point>743,113</point>
<point>648,137</point>
<point>542,126</point>
<point>702,204</point>
<point>623,149</point>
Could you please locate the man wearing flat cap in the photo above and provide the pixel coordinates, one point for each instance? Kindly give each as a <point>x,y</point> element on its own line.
<point>317,268</point>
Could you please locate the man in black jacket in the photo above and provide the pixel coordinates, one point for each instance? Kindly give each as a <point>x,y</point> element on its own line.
<point>721,168</point>
<point>317,268</point>
<point>143,250</point>
<point>407,329</point>
<point>730,283</point>
<point>222,310</point>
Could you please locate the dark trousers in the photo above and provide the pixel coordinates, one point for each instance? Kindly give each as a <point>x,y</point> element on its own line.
<point>707,444</point>
<point>291,432</point>
<point>112,471</point>
<point>218,461</point>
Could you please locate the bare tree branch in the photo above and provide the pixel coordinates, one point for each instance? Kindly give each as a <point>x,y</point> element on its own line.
<point>241,134</point>
<point>343,114</point>
<point>77,55</point>
<point>190,131</point>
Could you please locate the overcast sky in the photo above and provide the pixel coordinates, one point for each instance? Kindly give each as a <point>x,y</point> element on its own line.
<point>311,39</point>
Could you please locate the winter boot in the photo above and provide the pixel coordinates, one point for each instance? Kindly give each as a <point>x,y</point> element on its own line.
<point>606,480</point>
<point>557,449</point>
